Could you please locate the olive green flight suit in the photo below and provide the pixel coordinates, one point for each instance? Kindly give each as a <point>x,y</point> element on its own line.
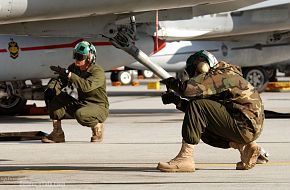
<point>91,107</point>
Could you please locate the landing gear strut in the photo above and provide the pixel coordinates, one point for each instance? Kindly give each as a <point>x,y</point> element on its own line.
<point>124,39</point>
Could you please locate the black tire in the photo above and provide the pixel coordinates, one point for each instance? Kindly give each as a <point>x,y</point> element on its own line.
<point>257,76</point>
<point>125,77</point>
<point>12,106</point>
<point>114,76</point>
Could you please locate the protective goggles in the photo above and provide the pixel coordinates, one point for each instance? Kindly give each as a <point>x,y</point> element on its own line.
<point>79,56</point>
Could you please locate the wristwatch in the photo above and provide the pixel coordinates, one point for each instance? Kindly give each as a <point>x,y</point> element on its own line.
<point>67,72</point>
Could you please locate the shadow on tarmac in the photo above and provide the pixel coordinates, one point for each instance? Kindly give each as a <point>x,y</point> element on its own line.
<point>100,168</point>
<point>74,168</point>
<point>276,115</point>
<point>22,119</point>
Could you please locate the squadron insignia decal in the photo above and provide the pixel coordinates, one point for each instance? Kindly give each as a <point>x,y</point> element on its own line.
<point>13,49</point>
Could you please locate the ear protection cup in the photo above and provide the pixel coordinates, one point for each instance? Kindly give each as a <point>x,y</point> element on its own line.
<point>202,67</point>
<point>92,54</point>
<point>89,58</point>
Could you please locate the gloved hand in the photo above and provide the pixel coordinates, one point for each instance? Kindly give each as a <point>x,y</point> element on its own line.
<point>171,83</point>
<point>170,97</point>
<point>60,71</point>
<point>49,94</point>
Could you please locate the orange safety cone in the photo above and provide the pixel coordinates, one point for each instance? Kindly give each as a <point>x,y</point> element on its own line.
<point>135,83</point>
<point>117,83</point>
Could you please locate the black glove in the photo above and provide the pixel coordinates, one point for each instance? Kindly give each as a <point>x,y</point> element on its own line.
<point>49,94</point>
<point>60,71</point>
<point>170,97</point>
<point>171,83</point>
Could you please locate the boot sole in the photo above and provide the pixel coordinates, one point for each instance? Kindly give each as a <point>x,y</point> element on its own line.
<point>96,140</point>
<point>51,141</point>
<point>176,170</point>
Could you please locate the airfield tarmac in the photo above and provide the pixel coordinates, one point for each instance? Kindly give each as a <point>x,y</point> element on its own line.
<point>139,133</point>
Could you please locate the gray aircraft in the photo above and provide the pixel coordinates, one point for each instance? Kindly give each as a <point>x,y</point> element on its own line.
<point>255,38</point>
<point>38,34</point>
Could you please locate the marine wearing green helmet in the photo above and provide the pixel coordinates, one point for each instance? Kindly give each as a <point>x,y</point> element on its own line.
<point>85,50</point>
<point>91,107</point>
<point>221,108</point>
<point>200,62</point>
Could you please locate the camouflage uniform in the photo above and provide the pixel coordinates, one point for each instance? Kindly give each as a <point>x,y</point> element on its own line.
<point>220,106</point>
<point>92,105</point>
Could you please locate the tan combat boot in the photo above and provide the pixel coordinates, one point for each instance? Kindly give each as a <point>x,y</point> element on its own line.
<point>183,162</point>
<point>249,154</point>
<point>56,136</point>
<point>97,133</point>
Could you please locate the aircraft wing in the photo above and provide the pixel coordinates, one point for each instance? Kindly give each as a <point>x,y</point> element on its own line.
<point>229,25</point>
<point>34,19</point>
<point>73,18</point>
<point>36,10</point>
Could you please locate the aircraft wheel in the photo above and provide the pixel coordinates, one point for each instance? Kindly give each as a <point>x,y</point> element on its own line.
<point>12,105</point>
<point>147,74</point>
<point>257,77</point>
<point>125,77</point>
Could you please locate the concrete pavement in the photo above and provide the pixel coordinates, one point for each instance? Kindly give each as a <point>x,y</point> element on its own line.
<point>139,133</point>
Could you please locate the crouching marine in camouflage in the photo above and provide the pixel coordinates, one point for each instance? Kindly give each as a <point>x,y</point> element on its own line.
<point>221,108</point>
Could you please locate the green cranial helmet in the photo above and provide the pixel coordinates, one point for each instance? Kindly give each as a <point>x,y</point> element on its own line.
<point>85,50</point>
<point>192,65</point>
<point>209,57</point>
